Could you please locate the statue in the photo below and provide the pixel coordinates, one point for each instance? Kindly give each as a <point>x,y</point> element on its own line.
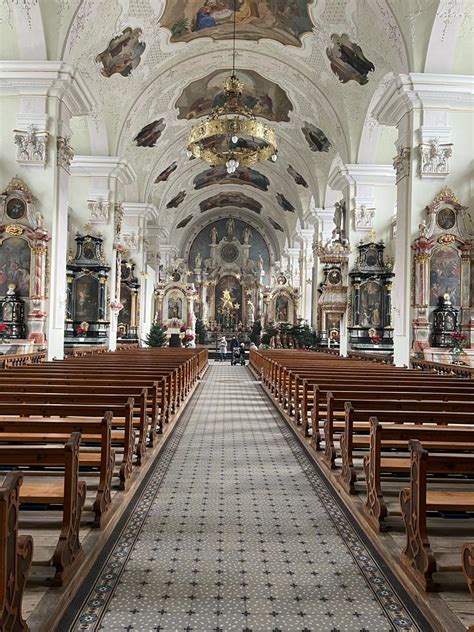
<point>230,227</point>
<point>39,221</point>
<point>214,235</point>
<point>260,264</point>
<point>339,212</point>
<point>246,235</point>
<point>198,261</point>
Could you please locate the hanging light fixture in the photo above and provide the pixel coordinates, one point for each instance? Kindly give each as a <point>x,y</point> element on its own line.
<point>232,135</point>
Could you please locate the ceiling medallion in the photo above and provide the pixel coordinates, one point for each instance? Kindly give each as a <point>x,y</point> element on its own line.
<point>232,135</point>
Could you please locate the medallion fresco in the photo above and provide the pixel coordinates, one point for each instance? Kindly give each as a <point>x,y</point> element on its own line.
<point>264,97</point>
<point>184,222</point>
<point>298,178</point>
<point>243,175</point>
<point>149,135</point>
<point>445,275</point>
<point>222,200</point>
<point>164,175</point>
<point>316,138</point>
<point>177,200</point>
<point>348,62</point>
<point>282,20</point>
<point>284,203</point>
<point>123,53</point>
<point>276,225</point>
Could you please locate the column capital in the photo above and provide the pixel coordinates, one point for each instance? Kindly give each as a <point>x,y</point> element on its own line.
<point>138,210</point>
<point>104,167</point>
<point>424,91</point>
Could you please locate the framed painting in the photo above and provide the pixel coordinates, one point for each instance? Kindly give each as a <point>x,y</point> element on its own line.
<point>445,275</point>
<point>15,266</point>
<point>125,314</point>
<point>371,304</point>
<point>86,298</point>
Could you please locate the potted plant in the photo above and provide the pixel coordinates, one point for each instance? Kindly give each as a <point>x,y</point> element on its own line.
<point>457,341</point>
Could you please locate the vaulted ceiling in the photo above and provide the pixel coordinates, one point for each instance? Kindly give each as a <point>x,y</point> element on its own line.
<point>312,68</point>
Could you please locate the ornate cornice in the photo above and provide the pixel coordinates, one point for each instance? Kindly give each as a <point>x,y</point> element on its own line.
<point>105,167</point>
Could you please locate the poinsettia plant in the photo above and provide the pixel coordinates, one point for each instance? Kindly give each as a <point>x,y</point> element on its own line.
<point>376,339</point>
<point>458,341</point>
<point>3,331</point>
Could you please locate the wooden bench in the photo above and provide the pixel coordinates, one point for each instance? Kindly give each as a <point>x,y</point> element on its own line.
<point>70,493</point>
<point>16,554</point>
<point>94,433</point>
<point>416,501</point>
<point>452,439</point>
<point>468,565</point>
<point>122,421</point>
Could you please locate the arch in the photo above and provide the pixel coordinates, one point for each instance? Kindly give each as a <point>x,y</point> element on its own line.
<point>444,36</point>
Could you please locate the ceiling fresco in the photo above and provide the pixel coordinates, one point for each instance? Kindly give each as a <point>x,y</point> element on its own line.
<point>348,61</point>
<point>282,20</point>
<point>316,138</point>
<point>297,177</point>
<point>222,200</point>
<point>123,53</point>
<point>165,174</point>
<point>184,222</point>
<point>243,175</point>
<point>284,203</point>
<point>149,135</point>
<point>266,98</point>
<point>177,200</point>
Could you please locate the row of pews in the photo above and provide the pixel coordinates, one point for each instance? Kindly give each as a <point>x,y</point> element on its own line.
<point>72,434</point>
<point>385,431</point>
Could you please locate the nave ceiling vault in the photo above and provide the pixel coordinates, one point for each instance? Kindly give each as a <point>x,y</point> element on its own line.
<point>393,37</point>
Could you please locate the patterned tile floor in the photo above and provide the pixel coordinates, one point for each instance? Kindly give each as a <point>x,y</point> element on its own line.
<point>234,530</point>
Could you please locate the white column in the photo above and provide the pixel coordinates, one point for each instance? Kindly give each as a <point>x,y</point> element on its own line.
<point>306,236</point>
<point>420,106</point>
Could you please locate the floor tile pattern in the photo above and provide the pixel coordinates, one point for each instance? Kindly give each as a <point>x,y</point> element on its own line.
<point>236,531</point>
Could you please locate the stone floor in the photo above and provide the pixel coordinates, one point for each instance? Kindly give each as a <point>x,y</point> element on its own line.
<point>236,530</point>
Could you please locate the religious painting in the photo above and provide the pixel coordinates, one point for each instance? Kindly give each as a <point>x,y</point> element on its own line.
<point>177,200</point>
<point>222,200</point>
<point>16,208</point>
<point>445,275</point>
<point>15,266</point>
<point>86,298</point>
<point>446,218</point>
<point>283,20</point>
<point>276,225</point>
<point>243,175</point>
<point>125,314</point>
<point>175,307</point>
<point>164,175</point>
<point>184,222</point>
<point>298,178</point>
<point>348,61</point>
<point>282,309</point>
<point>371,298</point>
<point>316,138</point>
<point>264,97</point>
<point>149,135</point>
<point>123,53</point>
<point>284,203</point>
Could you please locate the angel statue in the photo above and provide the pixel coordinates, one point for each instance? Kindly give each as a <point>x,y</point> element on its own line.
<point>198,261</point>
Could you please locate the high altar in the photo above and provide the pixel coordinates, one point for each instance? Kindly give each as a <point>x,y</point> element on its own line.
<point>228,279</point>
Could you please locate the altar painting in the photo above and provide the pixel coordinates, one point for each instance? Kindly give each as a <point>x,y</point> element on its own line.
<point>282,309</point>
<point>229,301</point>
<point>371,297</point>
<point>125,314</point>
<point>175,307</point>
<point>86,298</point>
<point>15,266</point>
<point>283,20</point>
<point>445,275</point>
<point>264,97</point>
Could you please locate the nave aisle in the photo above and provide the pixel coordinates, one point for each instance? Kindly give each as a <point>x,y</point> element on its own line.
<point>235,530</point>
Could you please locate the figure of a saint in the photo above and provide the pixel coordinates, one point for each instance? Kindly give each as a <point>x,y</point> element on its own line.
<point>230,228</point>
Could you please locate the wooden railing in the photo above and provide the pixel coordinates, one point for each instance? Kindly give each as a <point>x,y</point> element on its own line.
<point>463,372</point>
<point>22,359</point>
<point>371,357</point>
<point>81,352</point>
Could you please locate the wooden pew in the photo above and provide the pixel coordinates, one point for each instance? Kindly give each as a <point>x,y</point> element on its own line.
<point>451,439</point>
<point>416,501</point>
<point>122,420</point>
<point>357,428</point>
<point>468,565</point>
<point>70,493</point>
<point>96,433</point>
<point>16,554</point>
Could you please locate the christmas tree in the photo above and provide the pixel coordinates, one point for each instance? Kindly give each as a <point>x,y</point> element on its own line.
<point>156,336</point>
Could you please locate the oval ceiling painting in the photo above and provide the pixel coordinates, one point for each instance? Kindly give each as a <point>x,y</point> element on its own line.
<point>282,20</point>
<point>222,200</point>
<point>264,97</point>
<point>123,53</point>
<point>243,175</point>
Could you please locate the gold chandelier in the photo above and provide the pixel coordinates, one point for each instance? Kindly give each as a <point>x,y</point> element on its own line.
<point>232,135</point>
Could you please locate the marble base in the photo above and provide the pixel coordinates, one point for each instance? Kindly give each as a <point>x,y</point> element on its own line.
<point>437,354</point>
<point>14,347</point>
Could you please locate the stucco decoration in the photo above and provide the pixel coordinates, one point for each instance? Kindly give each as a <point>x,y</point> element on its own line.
<point>265,98</point>
<point>122,54</point>
<point>285,21</point>
<point>434,159</point>
<point>32,147</point>
<point>364,218</point>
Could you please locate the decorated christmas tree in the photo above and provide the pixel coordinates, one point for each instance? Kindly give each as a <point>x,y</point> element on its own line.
<point>156,336</point>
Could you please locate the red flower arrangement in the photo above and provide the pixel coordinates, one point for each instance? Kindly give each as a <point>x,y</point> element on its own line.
<point>376,340</point>
<point>456,337</point>
<point>183,329</point>
<point>3,328</point>
<point>189,338</point>
<point>80,331</point>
